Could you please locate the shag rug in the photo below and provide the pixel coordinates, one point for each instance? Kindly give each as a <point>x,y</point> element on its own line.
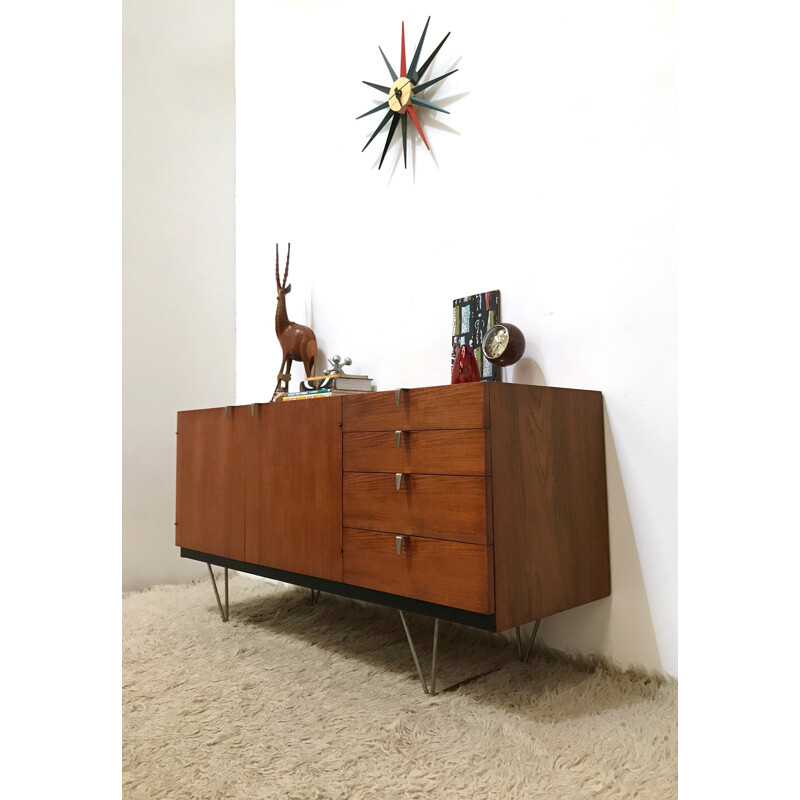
<point>291,699</point>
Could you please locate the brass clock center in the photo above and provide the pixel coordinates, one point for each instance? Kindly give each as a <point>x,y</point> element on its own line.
<point>400,95</point>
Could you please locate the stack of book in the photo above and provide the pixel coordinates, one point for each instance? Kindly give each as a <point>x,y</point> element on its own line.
<point>330,385</point>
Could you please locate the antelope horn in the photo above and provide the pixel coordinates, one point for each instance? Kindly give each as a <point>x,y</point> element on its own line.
<point>286,272</point>
<point>277,269</point>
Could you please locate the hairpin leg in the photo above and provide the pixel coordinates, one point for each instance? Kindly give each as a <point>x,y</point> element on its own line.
<point>530,643</point>
<point>432,690</point>
<point>314,596</point>
<point>414,653</point>
<point>223,612</point>
<point>433,660</point>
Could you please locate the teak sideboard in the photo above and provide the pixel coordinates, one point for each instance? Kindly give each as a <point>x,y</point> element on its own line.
<point>480,503</point>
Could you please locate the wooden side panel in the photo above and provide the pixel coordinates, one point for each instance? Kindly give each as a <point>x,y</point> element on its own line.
<point>210,482</point>
<point>437,407</point>
<point>550,505</point>
<point>451,573</point>
<point>435,506</point>
<point>294,487</point>
<point>456,452</point>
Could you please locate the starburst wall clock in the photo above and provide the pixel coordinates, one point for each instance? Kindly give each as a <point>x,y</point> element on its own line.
<point>403,94</point>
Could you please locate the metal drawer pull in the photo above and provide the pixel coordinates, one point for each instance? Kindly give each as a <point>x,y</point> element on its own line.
<point>397,436</point>
<point>398,540</point>
<point>397,395</point>
<point>398,480</point>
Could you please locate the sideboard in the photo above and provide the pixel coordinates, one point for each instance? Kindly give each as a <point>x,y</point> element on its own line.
<point>479,503</point>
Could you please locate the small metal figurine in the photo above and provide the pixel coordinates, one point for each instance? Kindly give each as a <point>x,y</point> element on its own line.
<point>336,365</point>
<point>297,341</point>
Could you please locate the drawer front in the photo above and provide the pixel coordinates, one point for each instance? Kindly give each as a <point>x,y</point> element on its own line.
<point>439,407</point>
<point>435,506</point>
<point>450,573</point>
<point>453,452</point>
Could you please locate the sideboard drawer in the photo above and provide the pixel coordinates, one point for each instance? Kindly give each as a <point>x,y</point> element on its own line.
<point>435,452</point>
<point>437,506</point>
<point>437,407</point>
<point>450,573</point>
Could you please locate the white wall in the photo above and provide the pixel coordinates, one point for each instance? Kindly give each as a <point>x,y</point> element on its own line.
<point>551,180</point>
<point>178,308</point>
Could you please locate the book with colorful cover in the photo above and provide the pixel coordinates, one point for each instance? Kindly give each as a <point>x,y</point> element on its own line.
<point>307,395</point>
<point>472,317</point>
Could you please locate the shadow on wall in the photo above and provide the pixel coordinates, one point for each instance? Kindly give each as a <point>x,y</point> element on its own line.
<point>619,627</point>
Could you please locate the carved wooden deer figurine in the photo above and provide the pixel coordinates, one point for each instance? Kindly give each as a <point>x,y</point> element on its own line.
<point>297,341</point>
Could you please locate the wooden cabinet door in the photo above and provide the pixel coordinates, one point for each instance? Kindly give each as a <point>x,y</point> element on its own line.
<point>210,481</point>
<point>294,487</point>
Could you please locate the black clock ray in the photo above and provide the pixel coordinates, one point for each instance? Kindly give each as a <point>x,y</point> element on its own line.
<point>428,84</point>
<point>392,129</point>
<point>404,130</point>
<point>415,78</point>
<point>378,129</point>
<point>384,89</point>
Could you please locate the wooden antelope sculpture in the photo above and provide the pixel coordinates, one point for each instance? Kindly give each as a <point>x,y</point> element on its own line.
<point>297,341</point>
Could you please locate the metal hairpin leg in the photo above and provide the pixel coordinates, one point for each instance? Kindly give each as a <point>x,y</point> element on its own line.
<point>223,612</point>
<point>432,690</point>
<point>433,660</point>
<point>314,596</point>
<point>414,653</point>
<point>530,642</point>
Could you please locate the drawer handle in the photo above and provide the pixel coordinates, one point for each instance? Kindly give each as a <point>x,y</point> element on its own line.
<point>398,480</point>
<point>398,542</point>
<point>397,395</point>
<point>397,437</point>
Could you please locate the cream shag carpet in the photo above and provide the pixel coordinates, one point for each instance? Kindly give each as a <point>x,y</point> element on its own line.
<point>313,702</point>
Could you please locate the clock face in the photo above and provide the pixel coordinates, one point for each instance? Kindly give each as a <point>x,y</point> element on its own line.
<point>404,94</point>
<point>496,341</point>
<point>504,345</point>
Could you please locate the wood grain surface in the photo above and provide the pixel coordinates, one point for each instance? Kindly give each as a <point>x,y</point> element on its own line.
<point>437,506</point>
<point>451,573</point>
<point>437,452</point>
<point>437,407</point>
<point>209,497</point>
<point>550,506</point>
<point>294,487</point>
